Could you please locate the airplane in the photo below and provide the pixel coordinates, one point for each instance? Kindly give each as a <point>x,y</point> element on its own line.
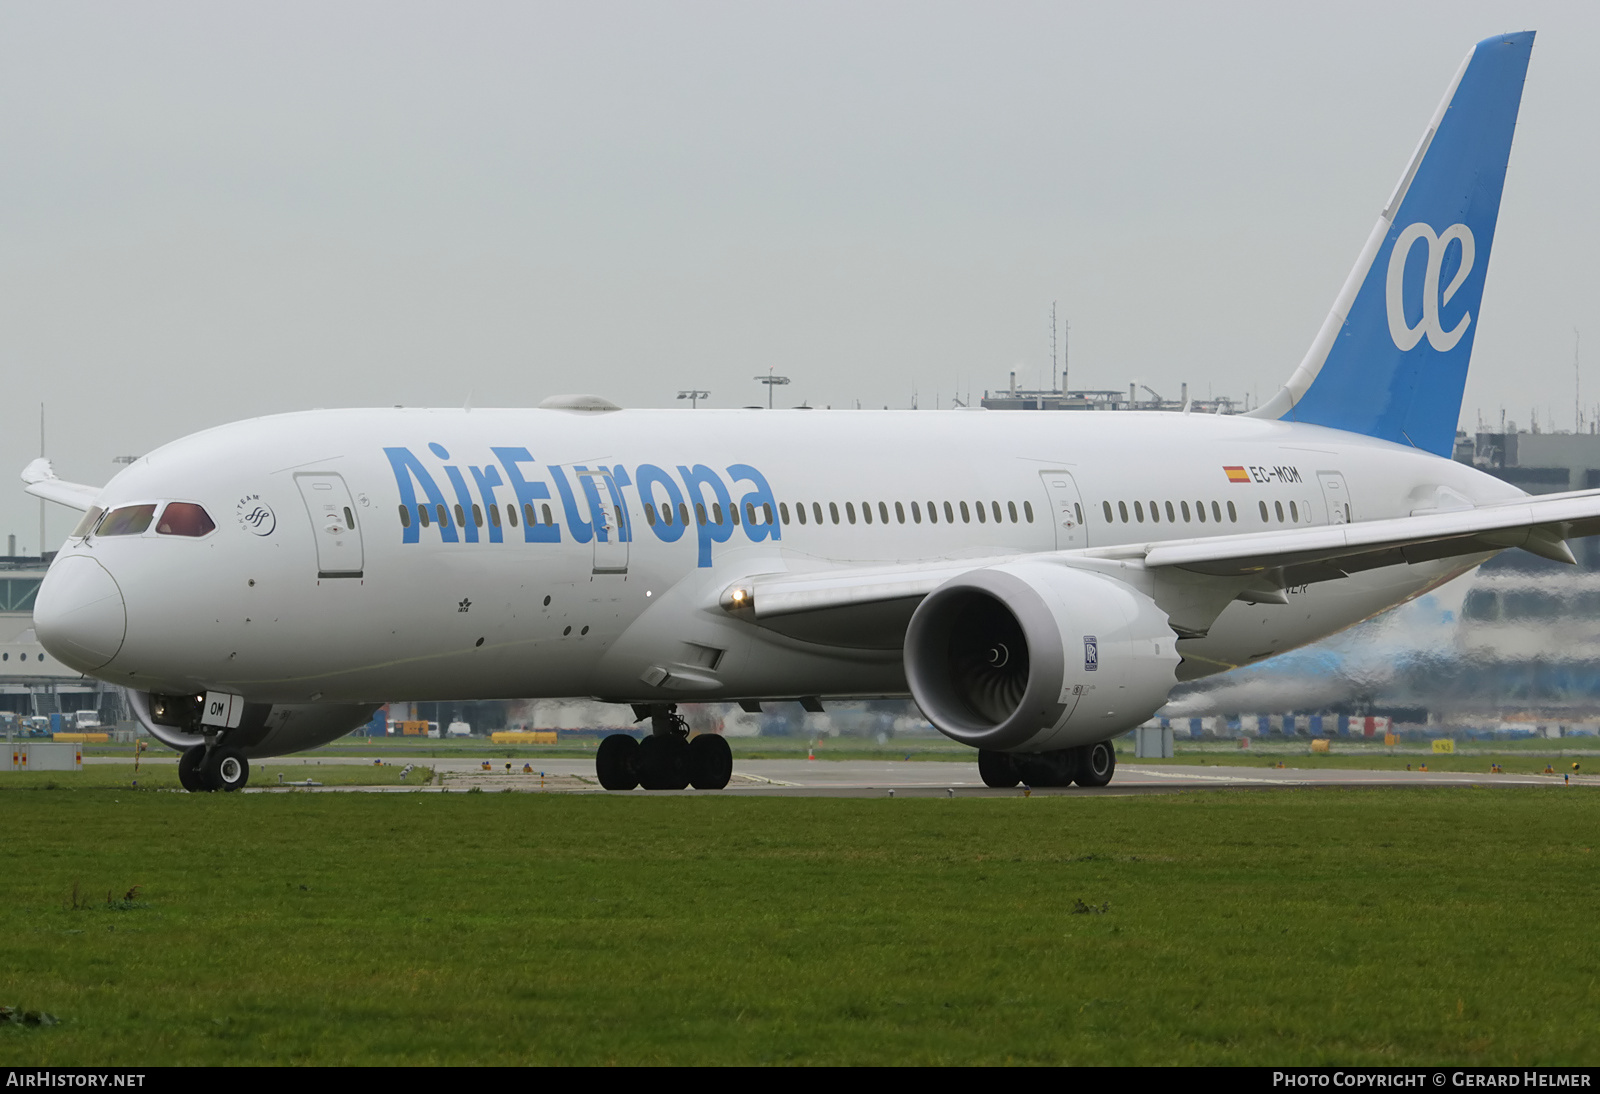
<point>1038,583</point>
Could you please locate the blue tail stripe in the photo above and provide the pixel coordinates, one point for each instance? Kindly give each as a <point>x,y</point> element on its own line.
<point>1399,364</point>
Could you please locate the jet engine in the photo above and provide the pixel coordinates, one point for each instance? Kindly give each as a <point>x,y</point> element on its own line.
<point>265,729</point>
<point>1034,656</point>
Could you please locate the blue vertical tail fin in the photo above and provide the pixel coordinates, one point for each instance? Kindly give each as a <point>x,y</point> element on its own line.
<point>1391,358</point>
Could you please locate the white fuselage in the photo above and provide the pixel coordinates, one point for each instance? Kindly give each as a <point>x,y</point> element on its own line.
<point>286,602</point>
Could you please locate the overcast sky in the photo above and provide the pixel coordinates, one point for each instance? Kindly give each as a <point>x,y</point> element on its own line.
<point>213,211</point>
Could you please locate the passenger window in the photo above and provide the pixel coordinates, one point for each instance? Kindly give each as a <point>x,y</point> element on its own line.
<point>477,516</point>
<point>1106,505</point>
<point>422,516</point>
<point>529,513</point>
<point>1216,511</point>
<point>548,519</point>
<point>866,511</point>
<point>442,515</point>
<point>1011,507</point>
<point>966,517</point>
<point>666,514</point>
<point>405,516</point>
<point>916,513</point>
<point>650,515</point>
<point>850,511</point>
<point>983,517</point>
<point>494,515</point>
<point>1278,506</point>
<point>899,513</point>
<point>1122,510</point>
<point>783,511</point>
<point>1138,512</point>
<point>733,513</point>
<point>1233,514</point>
<point>749,514</point>
<point>700,512</point>
<point>1172,517</point>
<point>933,513</point>
<point>1294,512</point>
<point>184,518</point>
<point>883,513</point>
<point>766,511</point>
<point>1200,511</point>
<point>1185,507</point>
<point>949,514</point>
<point>994,507</point>
<point>1077,511</point>
<point>511,514</point>
<point>1027,510</point>
<point>799,511</point>
<point>683,512</point>
<point>833,511</point>
<point>1155,513</point>
<point>461,518</point>
<point>816,511</point>
<point>1265,519</point>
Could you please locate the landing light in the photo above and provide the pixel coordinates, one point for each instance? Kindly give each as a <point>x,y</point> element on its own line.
<point>738,599</point>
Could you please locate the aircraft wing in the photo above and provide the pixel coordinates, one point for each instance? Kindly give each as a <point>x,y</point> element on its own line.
<point>1539,524</point>
<point>869,605</point>
<point>41,482</point>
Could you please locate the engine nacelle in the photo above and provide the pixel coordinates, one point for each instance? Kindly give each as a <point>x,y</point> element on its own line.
<point>1033,656</point>
<point>266,729</point>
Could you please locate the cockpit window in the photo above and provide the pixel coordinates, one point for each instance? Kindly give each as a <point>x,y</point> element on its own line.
<point>185,518</point>
<point>86,525</point>
<point>130,520</point>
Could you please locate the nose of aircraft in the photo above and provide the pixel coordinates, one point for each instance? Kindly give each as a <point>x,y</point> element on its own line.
<point>79,614</point>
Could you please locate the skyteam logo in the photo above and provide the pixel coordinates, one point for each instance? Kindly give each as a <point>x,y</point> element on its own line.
<point>255,516</point>
<point>1404,334</point>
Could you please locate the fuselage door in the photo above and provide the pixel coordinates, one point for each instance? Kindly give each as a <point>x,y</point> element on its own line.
<point>1337,495</point>
<point>333,523</point>
<point>610,521</point>
<point>1066,509</point>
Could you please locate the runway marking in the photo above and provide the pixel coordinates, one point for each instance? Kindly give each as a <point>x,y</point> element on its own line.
<point>1208,778</point>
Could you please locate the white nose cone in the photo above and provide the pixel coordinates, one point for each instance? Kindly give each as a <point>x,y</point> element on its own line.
<point>79,615</point>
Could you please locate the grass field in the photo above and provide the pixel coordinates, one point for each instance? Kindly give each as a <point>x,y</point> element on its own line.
<point>1384,927</point>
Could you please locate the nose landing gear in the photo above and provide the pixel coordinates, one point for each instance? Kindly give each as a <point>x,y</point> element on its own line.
<point>665,760</point>
<point>213,767</point>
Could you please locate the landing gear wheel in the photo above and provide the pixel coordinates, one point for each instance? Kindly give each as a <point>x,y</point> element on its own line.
<point>189,769</point>
<point>225,769</point>
<point>662,762</point>
<point>997,769</point>
<point>614,762</point>
<point>1096,764</point>
<point>1057,767</point>
<point>710,762</point>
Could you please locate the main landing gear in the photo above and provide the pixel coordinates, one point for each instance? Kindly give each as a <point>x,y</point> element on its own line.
<point>665,760</point>
<point>213,767</point>
<point>1087,765</point>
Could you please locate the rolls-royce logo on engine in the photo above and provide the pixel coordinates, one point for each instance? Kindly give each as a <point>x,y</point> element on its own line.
<point>1091,654</point>
<point>255,516</point>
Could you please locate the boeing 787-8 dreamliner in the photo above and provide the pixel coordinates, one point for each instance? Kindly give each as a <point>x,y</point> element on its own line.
<point>1036,582</point>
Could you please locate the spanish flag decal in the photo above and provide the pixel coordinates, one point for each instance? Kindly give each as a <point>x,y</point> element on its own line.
<point>1237,474</point>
